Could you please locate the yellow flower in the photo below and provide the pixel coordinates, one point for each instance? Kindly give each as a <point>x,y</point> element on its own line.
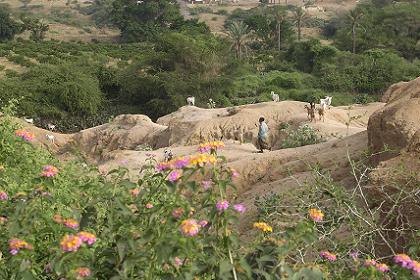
<point>263,226</point>
<point>316,215</point>
<point>190,227</point>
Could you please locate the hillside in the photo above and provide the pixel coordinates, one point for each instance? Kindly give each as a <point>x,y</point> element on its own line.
<point>66,19</point>
<point>106,173</point>
<point>129,139</point>
<point>272,186</point>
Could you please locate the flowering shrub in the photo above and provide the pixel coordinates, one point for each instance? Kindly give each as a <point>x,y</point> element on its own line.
<point>63,221</point>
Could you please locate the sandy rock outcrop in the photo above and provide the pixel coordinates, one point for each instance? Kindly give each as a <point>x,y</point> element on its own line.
<point>125,132</point>
<point>395,181</point>
<point>191,125</point>
<point>396,125</point>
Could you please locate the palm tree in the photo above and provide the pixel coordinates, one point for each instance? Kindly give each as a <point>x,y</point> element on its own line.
<point>299,17</point>
<point>280,16</point>
<point>354,16</point>
<point>239,33</point>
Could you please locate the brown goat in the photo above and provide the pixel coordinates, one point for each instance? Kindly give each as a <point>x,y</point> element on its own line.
<point>311,113</point>
<point>321,113</point>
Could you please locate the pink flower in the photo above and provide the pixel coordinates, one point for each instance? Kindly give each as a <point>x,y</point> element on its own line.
<point>316,215</point>
<point>3,196</point>
<point>178,212</point>
<point>190,227</point>
<point>328,256</point>
<point>71,223</point>
<point>174,175</point>
<point>181,163</point>
<point>49,171</point>
<point>149,205</point>
<point>415,266</point>
<point>240,208</point>
<point>203,223</point>
<point>87,237</point>
<point>403,260</point>
<point>234,173</point>
<point>70,243</point>
<point>162,166</point>
<point>382,267</point>
<point>206,185</point>
<point>369,262</point>
<point>15,245</point>
<point>83,272</point>
<point>354,255</point>
<point>178,262</point>
<point>222,205</point>
<point>25,135</point>
<point>135,192</point>
<point>211,146</point>
<point>124,162</point>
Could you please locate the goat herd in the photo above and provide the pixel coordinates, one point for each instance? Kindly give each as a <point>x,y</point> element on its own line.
<point>50,127</point>
<point>323,104</point>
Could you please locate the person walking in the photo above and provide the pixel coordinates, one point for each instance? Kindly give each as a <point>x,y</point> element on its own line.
<point>263,136</point>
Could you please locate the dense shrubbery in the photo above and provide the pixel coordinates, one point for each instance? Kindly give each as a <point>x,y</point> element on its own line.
<point>177,58</point>
<point>8,26</point>
<point>391,25</point>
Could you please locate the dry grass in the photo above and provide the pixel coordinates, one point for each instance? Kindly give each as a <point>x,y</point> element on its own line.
<point>8,65</point>
<point>86,31</point>
<point>332,8</point>
<point>81,28</point>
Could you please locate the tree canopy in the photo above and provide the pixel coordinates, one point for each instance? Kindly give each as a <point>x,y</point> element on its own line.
<point>8,26</point>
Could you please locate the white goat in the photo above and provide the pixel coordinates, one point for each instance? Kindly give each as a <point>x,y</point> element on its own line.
<point>327,101</point>
<point>167,154</point>
<point>29,120</point>
<point>275,97</point>
<point>191,100</point>
<point>51,126</point>
<point>51,138</point>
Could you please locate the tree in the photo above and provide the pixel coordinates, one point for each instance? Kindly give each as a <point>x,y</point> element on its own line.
<point>280,16</point>
<point>354,16</point>
<point>299,17</point>
<point>37,27</point>
<point>101,11</point>
<point>8,27</point>
<point>140,20</point>
<point>240,35</point>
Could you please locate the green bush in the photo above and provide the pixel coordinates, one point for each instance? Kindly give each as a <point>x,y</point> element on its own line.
<point>364,99</point>
<point>8,27</point>
<point>302,136</point>
<point>65,88</point>
<point>286,80</point>
<point>222,12</point>
<point>200,10</point>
